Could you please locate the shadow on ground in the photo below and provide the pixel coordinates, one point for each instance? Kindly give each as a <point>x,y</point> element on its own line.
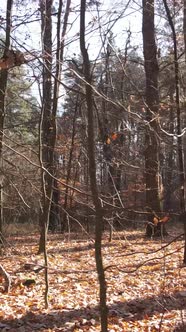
<point>65,319</point>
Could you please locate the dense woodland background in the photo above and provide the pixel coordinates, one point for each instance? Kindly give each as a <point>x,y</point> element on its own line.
<point>92,119</point>
<point>128,134</point>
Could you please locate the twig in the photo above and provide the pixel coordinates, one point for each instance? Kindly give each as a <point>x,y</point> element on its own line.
<point>143,263</point>
<point>153,251</point>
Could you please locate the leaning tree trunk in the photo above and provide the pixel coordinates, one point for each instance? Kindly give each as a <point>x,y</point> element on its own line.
<point>152,106</point>
<point>92,172</point>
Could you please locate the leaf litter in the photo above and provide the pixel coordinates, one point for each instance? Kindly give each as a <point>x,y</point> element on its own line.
<point>146,286</point>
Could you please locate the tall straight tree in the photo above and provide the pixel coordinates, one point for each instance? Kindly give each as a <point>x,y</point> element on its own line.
<point>178,118</point>
<point>51,84</point>
<point>47,121</point>
<point>3,86</point>
<point>47,131</point>
<point>50,98</point>
<point>152,105</point>
<point>92,171</point>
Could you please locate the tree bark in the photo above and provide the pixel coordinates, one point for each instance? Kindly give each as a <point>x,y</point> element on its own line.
<point>152,106</point>
<point>69,169</point>
<point>184,25</point>
<point>92,172</point>
<point>178,115</point>
<point>47,134</point>
<point>48,126</point>
<point>50,98</point>
<point>50,101</point>
<point>3,86</point>
<point>170,160</point>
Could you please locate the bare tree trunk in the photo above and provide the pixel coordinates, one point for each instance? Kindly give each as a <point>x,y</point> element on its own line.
<point>169,162</point>
<point>184,30</point>
<point>152,105</point>
<point>55,207</point>
<point>48,117</point>
<point>69,168</point>
<point>3,85</point>
<point>50,104</point>
<point>92,172</point>
<point>184,25</point>
<point>178,113</point>
<point>47,122</point>
<point>47,133</point>
<point>61,32</point>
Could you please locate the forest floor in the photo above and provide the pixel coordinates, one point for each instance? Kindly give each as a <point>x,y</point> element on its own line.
<point>146,284</point>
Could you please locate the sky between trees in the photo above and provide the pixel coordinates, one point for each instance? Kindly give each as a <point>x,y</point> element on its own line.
<point>118,16</point>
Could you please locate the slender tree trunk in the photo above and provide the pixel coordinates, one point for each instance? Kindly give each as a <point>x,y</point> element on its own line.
<point>50,103</point>
<point>69,168</point>
<point>178,113</point>
<point>169,161</point>
<point>48,117</point>
<point>92,172</point>
<point>152,105</point>
<point>55,207</point>
<point>61,32</point>
<point>3,85</point>
<point>47,121</point>
<point>47,134</point>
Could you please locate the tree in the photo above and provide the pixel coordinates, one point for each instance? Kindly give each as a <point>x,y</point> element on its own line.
<point>3,86</point>
<point>9,59</point>
<point>178,113</point>
<point>47,121</point>
<point>48,133</point>
<point>92,171</point>
<point>50,97</point>
<point>152,106</point>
